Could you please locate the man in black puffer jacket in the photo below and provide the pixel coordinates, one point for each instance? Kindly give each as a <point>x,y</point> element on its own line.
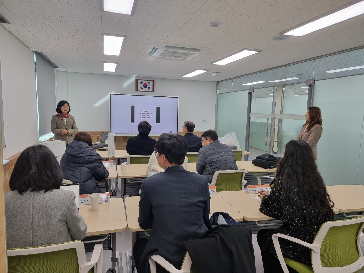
<point>214,156</point>
<point>82,165</point>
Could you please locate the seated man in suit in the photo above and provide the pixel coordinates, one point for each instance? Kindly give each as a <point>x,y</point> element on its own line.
<point>175,204</point>
<point>141,144</point>
<point>214,156</point>
<point>193,142</point>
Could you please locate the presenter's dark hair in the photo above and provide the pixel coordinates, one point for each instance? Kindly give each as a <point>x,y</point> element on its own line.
<point>36,169</point>
<point>173,146</point>
<point>144,127</point>
<point>211,134</point>
<point>303,189</point>
<point>60,104</point>
<point>315,117</point>
<point>190,126</point>
<point>84,137</point>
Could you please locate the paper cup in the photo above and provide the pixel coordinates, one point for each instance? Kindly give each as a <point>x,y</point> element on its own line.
<point>123,168</point>
<point>95,200</point>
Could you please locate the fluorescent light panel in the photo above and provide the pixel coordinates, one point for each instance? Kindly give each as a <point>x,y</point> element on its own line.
<point>112,45</point>
<point>235,57</point>
<point>304,86</point>
<point>345,69</point>
<point>119,6</point>
<point>110,67</point>
<point>283,80</point>
<point>331,19</point>
<point>194,73</point>
<point>252,83</point>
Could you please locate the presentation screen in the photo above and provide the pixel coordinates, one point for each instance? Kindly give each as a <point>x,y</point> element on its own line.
<point>126,111</point>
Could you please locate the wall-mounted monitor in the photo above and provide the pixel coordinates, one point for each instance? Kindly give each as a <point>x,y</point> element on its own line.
<point>126,111</point>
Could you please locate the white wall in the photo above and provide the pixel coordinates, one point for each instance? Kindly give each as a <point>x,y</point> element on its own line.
<point>88,95</point>
<point>18,92</point>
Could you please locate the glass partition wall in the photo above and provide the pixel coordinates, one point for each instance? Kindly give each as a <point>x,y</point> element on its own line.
<point>279,100</point>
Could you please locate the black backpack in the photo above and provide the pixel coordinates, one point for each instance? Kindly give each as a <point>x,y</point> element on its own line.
<point>266,161</point>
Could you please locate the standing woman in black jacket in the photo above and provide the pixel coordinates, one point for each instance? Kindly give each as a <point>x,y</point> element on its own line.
<point>299,199</point>
<point>82,165</point>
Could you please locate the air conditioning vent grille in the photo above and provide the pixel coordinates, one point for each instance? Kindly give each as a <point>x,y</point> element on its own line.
<point>174,52</point>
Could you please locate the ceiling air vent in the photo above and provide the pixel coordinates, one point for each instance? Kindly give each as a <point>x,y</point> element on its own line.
<point>3,20</point>
<point>174,52</point>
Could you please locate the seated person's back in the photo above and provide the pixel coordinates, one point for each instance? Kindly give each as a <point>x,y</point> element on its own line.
<point>174,204</point>
<point>214,156</point>
<point>193,142</point>
<point>141,144</point>
<point>82,165</point>
<point>37,211</point>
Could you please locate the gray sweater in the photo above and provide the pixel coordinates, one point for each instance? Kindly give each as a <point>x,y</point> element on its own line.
<point>39,218</point>
<point>215,157</point>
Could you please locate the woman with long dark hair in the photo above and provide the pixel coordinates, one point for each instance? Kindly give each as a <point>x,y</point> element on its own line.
<point>299,199</point>
<point>311,131</point>
<point>63,125</point>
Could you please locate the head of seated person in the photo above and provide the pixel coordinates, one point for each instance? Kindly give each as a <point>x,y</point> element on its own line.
<point>171,150</point>
<point>36,170</point>
<point>208,137</point>
<point>144,128</point>
<point>188,127</point>
<point>84,137</point>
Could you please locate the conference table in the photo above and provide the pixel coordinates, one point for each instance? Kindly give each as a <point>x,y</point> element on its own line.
<point>347,198</point>
<point>110,218</point>
<point>118,154</point>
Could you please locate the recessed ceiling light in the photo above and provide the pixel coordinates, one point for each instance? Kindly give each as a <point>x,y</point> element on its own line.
<point>251,83</point>
<point>235,57</point>
<point>194,73</point>
<point>283,80</point>
<point>119,6</point>
<point>112,45</point>
<point>328,20</point>
<point>345,69</point>
<point>110,67</point>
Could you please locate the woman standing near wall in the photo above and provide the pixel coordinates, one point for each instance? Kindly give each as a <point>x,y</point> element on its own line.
<point>63,125</point>
<point>311,131</point>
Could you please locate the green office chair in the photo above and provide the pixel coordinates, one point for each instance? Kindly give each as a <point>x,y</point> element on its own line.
<point>192,156</point>
<point>238,155</point>
<point>336,248</point>
<point>67,257</point>
<point>138,159</point>
<point>229,180</point>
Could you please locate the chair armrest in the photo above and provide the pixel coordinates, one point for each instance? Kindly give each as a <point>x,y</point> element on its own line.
<point>97,258</point>
<point>277,247</point>
<point>160,260</point>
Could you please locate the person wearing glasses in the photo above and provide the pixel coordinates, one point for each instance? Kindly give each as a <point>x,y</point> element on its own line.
<point>63,125</point>
<point>193,142</point>
<point>174,204</point>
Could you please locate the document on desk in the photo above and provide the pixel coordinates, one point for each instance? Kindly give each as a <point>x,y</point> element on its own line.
<point>256,198</point>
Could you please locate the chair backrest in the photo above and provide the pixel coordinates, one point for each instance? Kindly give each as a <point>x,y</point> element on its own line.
<point>229,180</point>
<point>138,159</point>
<point>60,258</point>
<point>339,243</point>
<point>238,154</point>
<point>192,156</point>
<point>103,138</point>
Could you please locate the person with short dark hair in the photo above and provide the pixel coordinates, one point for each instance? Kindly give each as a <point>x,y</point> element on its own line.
<point>63,125</point>
<point>214,156</point>
<point>193,142</point>
<point>175,204</point>
<point>37,211</point>
<point>82,165</point>
<point>141,144</point>
<point>300,200</point>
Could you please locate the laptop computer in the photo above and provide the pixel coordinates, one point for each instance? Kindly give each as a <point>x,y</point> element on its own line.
<point>101,144</point>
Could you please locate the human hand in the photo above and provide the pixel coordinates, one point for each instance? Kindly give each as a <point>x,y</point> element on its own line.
<point>262,194</point>
<point>67,132</point>
<point>64,132</point>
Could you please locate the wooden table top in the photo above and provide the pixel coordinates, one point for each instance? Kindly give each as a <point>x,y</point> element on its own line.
<point>118,154</point>
<point>133,170</point>
<point>217,204</point>
<point>109,218</point>
<point>113,174</point>
<point>347,198</point>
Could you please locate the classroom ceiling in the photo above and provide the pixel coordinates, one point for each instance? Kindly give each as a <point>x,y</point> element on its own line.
<point>69,33</point>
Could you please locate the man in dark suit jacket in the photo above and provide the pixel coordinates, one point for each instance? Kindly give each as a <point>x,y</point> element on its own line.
<point>193,142</point>
<point>175,204</point>
<point>141,144</point>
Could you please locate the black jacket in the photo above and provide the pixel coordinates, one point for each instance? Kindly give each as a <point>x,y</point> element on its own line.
<point>175,204</point>
<point>225,249</point>
<point>82,165</point>
<point>193,142</point>
<point>140,145</point>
